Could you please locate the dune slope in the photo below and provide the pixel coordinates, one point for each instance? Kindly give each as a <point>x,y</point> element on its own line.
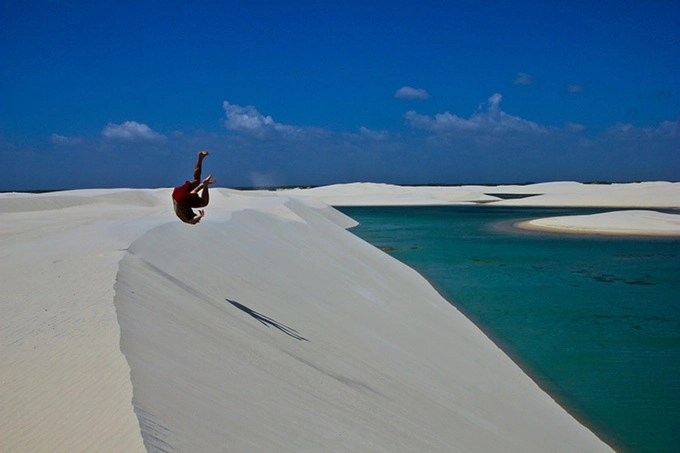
<point>278,330</point>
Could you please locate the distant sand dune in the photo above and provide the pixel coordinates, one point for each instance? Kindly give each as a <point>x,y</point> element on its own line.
<point>633,222</point>
<point>632,195</point>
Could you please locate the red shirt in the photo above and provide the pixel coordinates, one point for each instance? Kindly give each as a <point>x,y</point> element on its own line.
<point>183,196</point>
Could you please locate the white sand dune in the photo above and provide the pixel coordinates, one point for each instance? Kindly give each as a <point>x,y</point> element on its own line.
<point>631,195</point>
<point>633,222</point>
<point>267,327</point>
<point>372,194</point>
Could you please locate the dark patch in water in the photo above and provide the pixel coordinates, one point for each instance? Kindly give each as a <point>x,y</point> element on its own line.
<point>513,196</point>
<point>610,278</point>
<point>635,256</point>
<point>639,282</point>
<point>482,261</point>
<point>604,278</point>
<point>394,249</point>
<point>628,316</point>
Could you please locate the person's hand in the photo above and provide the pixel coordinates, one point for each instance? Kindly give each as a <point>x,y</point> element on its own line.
<point>201,213</point>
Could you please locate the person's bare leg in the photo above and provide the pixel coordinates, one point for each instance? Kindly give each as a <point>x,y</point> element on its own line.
<point>205,196</point>
<point>198,188</point>
<point>199,165</point>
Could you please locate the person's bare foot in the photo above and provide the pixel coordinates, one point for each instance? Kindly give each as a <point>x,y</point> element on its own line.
<point>202,154</point>
<point>208,180</point>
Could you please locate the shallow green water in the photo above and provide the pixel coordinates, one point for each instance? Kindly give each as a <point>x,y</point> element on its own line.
<point>595,321</point>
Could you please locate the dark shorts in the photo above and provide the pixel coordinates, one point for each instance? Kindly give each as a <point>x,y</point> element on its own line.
<point>185,214</point>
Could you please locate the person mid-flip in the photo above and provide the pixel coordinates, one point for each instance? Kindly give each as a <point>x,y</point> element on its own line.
<point>185,197</point>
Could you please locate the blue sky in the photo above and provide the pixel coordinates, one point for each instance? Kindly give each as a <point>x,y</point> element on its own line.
<point>111,94</point>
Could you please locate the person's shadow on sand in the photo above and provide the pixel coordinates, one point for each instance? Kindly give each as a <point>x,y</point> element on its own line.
<point>268,321</point>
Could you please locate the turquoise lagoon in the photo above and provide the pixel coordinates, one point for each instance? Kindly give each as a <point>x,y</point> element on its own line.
<point>594,320</point>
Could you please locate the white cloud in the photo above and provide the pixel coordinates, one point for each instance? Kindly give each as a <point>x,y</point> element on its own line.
<point>407,92</point>
<point>665,130</point>
<point>573,88</point>
<point>523,79</point>
<point>488,119</point>
<point>373,134</point>
<point>249,121</point>
<point>669,129</point>
<point>574,127</point>
<point>132,131</point>
<point>65,141</point>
